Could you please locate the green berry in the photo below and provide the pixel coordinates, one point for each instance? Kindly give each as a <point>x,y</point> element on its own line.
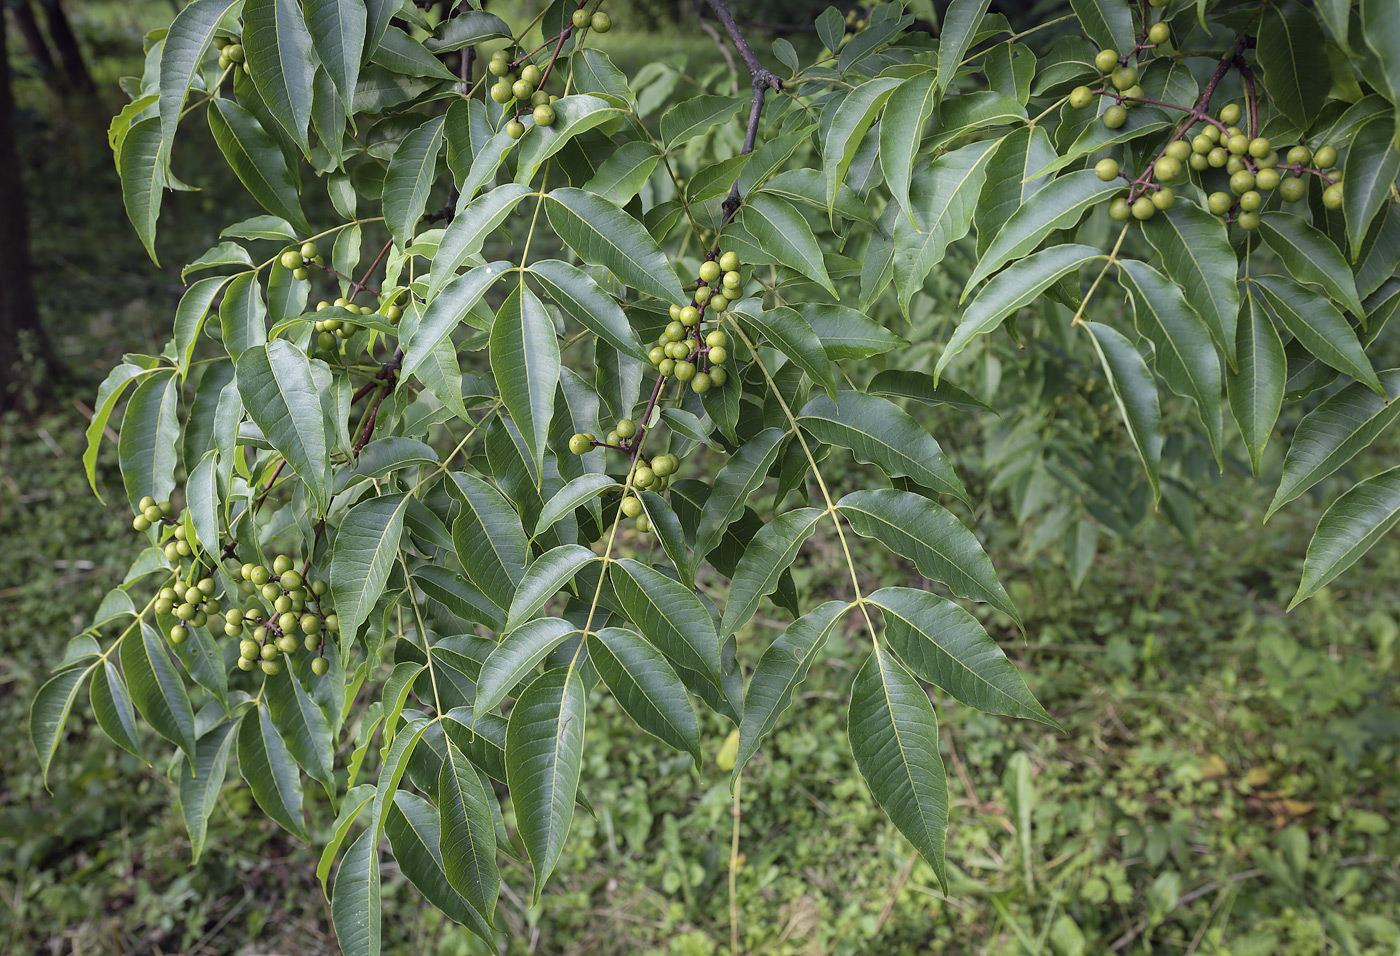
<point>1230,114</point>
<point>332,623</point>
<point>1332,196</point>
<point>290,579</point>
<point>1179,150</point>
<point>141,523</point>
<point>626,428</point>
<point>581,444</point>
<point>515,129</point>
<point>1160,33</point>
<point>1251,201</point>
<point>146,502</point>
<point>666,367</point>
<point>657,355</point>
<point>1143,208</point>
<point>319,666</point>
<point>179,634</point>
<point>1218,157</point>
<point>1119,210</point>
<point>719,303</point>
<point>718,376</point>
<point>1080,97</point>
<point>643,524</point>
<point>700,384</point>
<point>151,514</point>
<point>271,668</point>
<point>664,465</point>
<point>690,317</point>
<point>581,19</point>
<point>730,261</point>
<point>1167,169</point>
<point>544,115</point>
<point>531,75</point>
<point>643,476</point>
<point>1248,221</point>
<point>1106,60</point>
<point>1259,147</point>
<point>1124,77</point>
<point>309,624</point>
<point>601,22</point>
<point>1267,179</point>
<point>1241,182</point>
<point>1115,116</point>
<point>291,259</point>
<point>501,92</point>
<point>249,649</point>
<point>718,355</point>
<point>1293,189</point>
<point>631,507</point>
<point>716,337</point>
<point>702,294</point>
<point>1238,144</point>
<point>1299,156</point>
<point>1325,157</point>
<point>1202,143</point>
<point>1164,198</point>
<point>684,371</point>
<point>500,63</point>
<point>710,271</point>
<point>1106,169</point>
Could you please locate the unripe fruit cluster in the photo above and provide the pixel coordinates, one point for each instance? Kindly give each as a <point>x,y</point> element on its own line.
<point>277,610</point>
<point>525,87</point>
<point>230,54</point>
<point>191,601</point>
<point>296,259</point>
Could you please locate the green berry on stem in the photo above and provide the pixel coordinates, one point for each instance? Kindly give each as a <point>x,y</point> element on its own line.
<point>1293,189</point>
<point>701,383</point>
<point>718,355</point>
<point>1124,77</point>
<point>1267,179</point>
<point>515,129</point>
<point>1259,147</point>
<point>1241,182</point>
<point>1230,114</point>
<point>1299,156</point>
<point>718,376</point>
<point>1164,198</point>
<point>291,259</point>
<point>1167,169</point>
<point>581,19</point>
<point>710,271</point>
<point>581,444</point>
<point>1218,157</point>
<point>729,262</point>
<point>1332,196</point>
<point>1251,201</point>
<point>1119,210</point>
<point>601,22</point>
<point>1248,221</point>
<point>1143,208</point>
<point>631,507</point>
<point>1106,60</point>
<point>531,75</point>
<point>690,317</point>
<point>1106,169</point>
<point>1115,116</point>
<point>1325,156</point>
<point>716,337</point>
<point>320,666</point>
<point>1160,33</point>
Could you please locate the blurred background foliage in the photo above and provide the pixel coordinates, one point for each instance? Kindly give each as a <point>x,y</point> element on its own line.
<point>1228,781</point>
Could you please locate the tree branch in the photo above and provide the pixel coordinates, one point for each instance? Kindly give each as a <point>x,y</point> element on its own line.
<point>763,81</point>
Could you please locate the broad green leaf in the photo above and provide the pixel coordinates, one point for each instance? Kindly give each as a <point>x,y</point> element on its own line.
<point>202,503</point>
<point>111,705</point>
<point>1095,136</point>
<point>1009,182</point>
<point>181,54</point>
<point>1333,433</point>
<point>1186,358</point>
<point>572,115</point>
<point>142,167</point>
<point>337,29</point>
<point>1109,23</point>
<point>767,555</point>
<point>224,254</point>
<point>257,161</point>
<point>447,310</point>
<point>785,236</point>
<point>906,114</point>
<point>189,318</point>
<point>945,645</point>
<point>355,900</point>
<point>1016,286</point>
<point>1292,51</point>
<point>1353,524</point>
<point>740,477</point>
<point>544,577</point>
<point>109,393</point>
<point>1318,327</point>
<point>575,493</point>
<point>850,121</point>
<point>920,386</point>
<point>482,741</point>
<point>401,53</point>
<point>49,713</point>
<point>396,691</point>
<point>282,399</point>
<point>1256,390</point>
<point>1372,164</point>
<point>416,835</point>
<point>200,784</point>
<point>790,334</point>
<point>518,653</point>
<point>783,666</point>
<point>242,314</point>
<point>600,232</point>
<point>351,805</point>
<point>466,28</point>
<point>149,442</point>
<point>157,688</point>
<point>689,118</point>
<point>1135,393</point>
<point>1196,255</point>
<point>490,540</point>
<point>959,26</point>
<point>410,178</point>
<point>302,726</point>
<point>894,737</point>
<point>271,772</point>
<point>362,553</point>
<point>468,230</point>
<point>1311,257</point>
<point>940,545</point>
<point>468,841</point>
<point>575,291</point>
<point>203,660</point>
<point>1382,35</point>
<point>384,456</point>
<point>669,615</point>
<point>278,48</point>
<point>879,432</point>
<point>525,363</point>
<point>667,528</point>
<point>1059,205</point>
<point>941,203</point>
<point>646,687</point>
<point>846,333</point>
<point>625,172</point>
<point>544,756</point>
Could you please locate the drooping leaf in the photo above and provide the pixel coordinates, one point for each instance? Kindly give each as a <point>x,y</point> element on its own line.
<point>575,291</point>
<point>1372,164</point>
<point>447,310</point>
<point>337,29</point>
<point>156,687</point>
<point>689,118</point>
<point>111,705</point>
<point>148,445</point>
<point>1196,255</point>
<point>142,167</point>
<point>646,687</point>
<point>1256,390</point>
<point>200,784</point>
<point>573,116</point>
<point>544,757</point>
<point>1135,392</point>
<point>669,615</point>
<point>518,653</point>
<point>600,232</point>
<point>766,557</point>
<point>49,713</point>
<point>1319,327</point>
<point>1293,54</point>
<point>468,841</point>
<point>920,386</point>
<point>736,481</point>
<point>242,314</point>
<point>282,399</point>
<point>416,835</point>
<point>525,363</point>
<point>790,334</point>
<point>271,772</point>
<point>365,545</point>
<point>940,545</point>
<point>894,737</point>
<point>1350,527</point>
<point>1311,257</point>
<point>546,575</point>
<point>907,112</point>
<point>960,22</point>
<point>578,491</point>
<point>278,48</point>
<point>490,540</point>
<point>410,178</point>
<point>355,899</point>
<point>467,231</point>
<point>850,121</point>
<point>257,160</point>
<point>786,236</point>
<point>302,725</point>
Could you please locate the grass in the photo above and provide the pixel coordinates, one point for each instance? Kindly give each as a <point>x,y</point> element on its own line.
<point>1225,782</point>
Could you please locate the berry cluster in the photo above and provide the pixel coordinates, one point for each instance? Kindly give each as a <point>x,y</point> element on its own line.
<point>296,259</point>
<point>684,349</point>
<point>654,475</point>
<point>525,87</point>
<point>1252,163</point>
<point>279,607</point>
<point>231,53</point>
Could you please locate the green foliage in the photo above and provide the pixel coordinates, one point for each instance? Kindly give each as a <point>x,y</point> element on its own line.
<point>449,522</point>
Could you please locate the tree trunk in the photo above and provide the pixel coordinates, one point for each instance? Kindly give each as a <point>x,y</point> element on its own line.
<point>64,41</point>
<point>34,40</point>
<point>28,362</point>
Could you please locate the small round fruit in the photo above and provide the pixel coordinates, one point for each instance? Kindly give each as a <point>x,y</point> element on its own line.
<point>581,444</point>
<point>718,355</point>
<point>1332,196</point>
<point>1080,97</point>
<point>531,74</point>
<point>665,465</point>
<point>1124,77</point>
<point>666,367</point>
<point>643,524</point>
<point>611,439</point>
<point>151,514</point>
<point>1106,60</point>
<point>172,553</point>
<point>333,623</point>
<point>710,271</point>
<point>501,92</point>
<point>626,428</point>
<point>1106,169</point>
<point>1202,143</point>
<point>701,383</point>
<point>311,642</point>
<point>320,588</point>
<point>539,98</point>
<point>302,274</point>
<point>675,329</point>
<point>1248,221</point>
<point>269,652</point>
<point>234,52</point>
<point>1218,157</point>
<point>393,313</point>
<point>233,630</point>
<point>248,648</point>
<point>601,22</point>
<point>290,579</point>
<point>581,18</point>
<point>657,354</point>
<point>309,623</point>
<point>146,502</point>
<point>288,622</point>
<point>716,337</point>
<point>1292,189</point>
<point>1241,182</point>
<point>271,668</point>
<point>309,250</point>
<point>1267,179</point>
<point>271,591</point>
<point>521,90</point>
<point>702,294</point>
<point>1164,198</point>
<point>244,664</point>
<point>1299,156</point>
<point>1251,201</point>
<point>1238,144</point>
<point>544,115</point>
<point>319,666</point>
<point>500,63</point>
<point>643,477</point>
<point>730,261</point>
<point>690,317</point>
<point>179,634</point>
<point>1230,114</point>
<point>1160,33</point>
<point>718,376</point>
<point>1234,164</point>
<point>1212,133</point>
<point>1143,208</point>
<point>684,371</point>
<point>631,507</point>
<point>1115,116</point>
<point>719,303</point>
<point>1167,169</point>
<point>1179,150</point>
<point>288,643</point>
<point>326,341</point>
<point>291,259</point>
<point>1119,210</point>
<point>1325,156</point>
<point>675,312</point>
<point>515,129</point>
<point>1259,147</point>
<point>141,523</point>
